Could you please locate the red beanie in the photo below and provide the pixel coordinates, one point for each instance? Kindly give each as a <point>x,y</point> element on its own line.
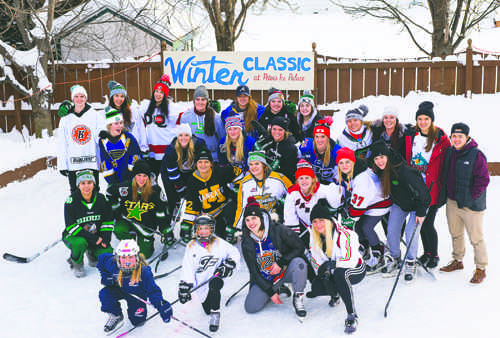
<point>345,153</point>
<point>163,84</point>
<point>304,168</point>
<point>322,127</point>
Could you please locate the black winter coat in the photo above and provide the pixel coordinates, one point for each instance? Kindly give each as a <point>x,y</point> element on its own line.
<point>286,112</point>
<point>285,152</point>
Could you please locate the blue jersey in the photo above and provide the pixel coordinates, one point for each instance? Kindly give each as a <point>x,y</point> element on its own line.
<point>118,155</point>
<point>267,255</point>
<point>325,174</point>
<point>231,111</point>
<point>247,147</point>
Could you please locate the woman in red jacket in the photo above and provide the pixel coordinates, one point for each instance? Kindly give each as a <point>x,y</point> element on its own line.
<point>426,146</point>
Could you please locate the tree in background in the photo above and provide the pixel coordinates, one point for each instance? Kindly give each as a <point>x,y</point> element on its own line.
<point>449,22</point>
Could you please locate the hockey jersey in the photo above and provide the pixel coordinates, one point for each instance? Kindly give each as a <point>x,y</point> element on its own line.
<point>199,263</point>
<point>359,146</point>
<point>138,129</point>
<point>324,173</point>
<point>367,197</point>
<point>222,153</point>
<point>118,155</point>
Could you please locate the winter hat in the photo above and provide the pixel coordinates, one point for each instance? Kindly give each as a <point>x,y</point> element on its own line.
<point>357,113</point>
<point>203,154</point>
<point>184,128</point>
<point>304,168</point>
<point>425,108</point>
<point>252,208</point>
<point>391,111</point>
<point>242,90</point>
<point>84,175</point>
<point>163,84</point>
<point>280,121</point>
<point>116,88</point>
<point>77,89</point>
<point>322,128</point>
<point>141,167</point>
<point>112,115</point>
<point>257,156</point>
<point>379,148</point>
<point>460,128</point>
<point>320,210</point>
<point>233,121</point>
<point>345,153</point>
<point>307,97</point>
<point>275,94</point>
<point>200,91</point>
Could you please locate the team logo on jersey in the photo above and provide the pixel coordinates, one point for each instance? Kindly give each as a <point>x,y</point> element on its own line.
<point>266,261</point>
<point>139,312</point>
<point>81,134</point>
<point>206,262</point>
<point>123,191</point>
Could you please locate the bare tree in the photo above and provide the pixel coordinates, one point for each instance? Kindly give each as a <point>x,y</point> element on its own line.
<point>448,24</point>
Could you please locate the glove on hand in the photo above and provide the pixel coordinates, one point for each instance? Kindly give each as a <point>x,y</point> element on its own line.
<point>184,292</point>
<point>185,232</point>
<point>226,268</point>
<point>165,311</point>
<point>230,234</point>
<point>167,237</point>
<point>64,108</point>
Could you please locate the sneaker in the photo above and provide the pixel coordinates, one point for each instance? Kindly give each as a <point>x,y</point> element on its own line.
<point>283,289</point>
<point>433,262</point>
<point>334,300</point>
<point>78,269</point>
<point>410,269</point>
<point>351,323</point>
<point>453,266</point>
<point>298,304</point>
<point>214,320</point>
<point>91,259</point>
<point>113,323</point>
<point>478,277</point>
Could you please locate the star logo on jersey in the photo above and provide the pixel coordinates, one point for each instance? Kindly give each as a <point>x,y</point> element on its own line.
<point>81,134</point>
<point>136,212</point>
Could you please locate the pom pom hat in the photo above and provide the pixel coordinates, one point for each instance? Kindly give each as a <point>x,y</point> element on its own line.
<point>252,208</point>
<point>163,84</point>
<point>357,113</point>
<point>345,153</point>
<point>233,121</point>
<point>184,128</point>
<point>322,127</point>
<point>304,168</point>
<point>425,108</point>
<point>116,88</point>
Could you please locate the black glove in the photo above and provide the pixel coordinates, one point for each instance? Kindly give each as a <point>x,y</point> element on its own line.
<point>186,232</point>
<point>226,268</point>
<point>329,268</point>
<point>64,172</point>
<point>165,311</point>
<point>184,292</point>
<point>167,237</point>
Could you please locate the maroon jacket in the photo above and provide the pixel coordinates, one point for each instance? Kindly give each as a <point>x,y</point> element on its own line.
<point>434,171</point>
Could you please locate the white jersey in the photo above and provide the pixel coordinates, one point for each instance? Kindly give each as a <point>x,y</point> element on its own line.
<point>199,264</point>
<point>367,197</point>
<point>78,141</point>
<point>298,207</point>
<point>275,187</point>
<point>138,129</point>
<point>346,140</point>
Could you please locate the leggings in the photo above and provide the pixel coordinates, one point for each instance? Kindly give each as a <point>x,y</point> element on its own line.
<point>428,232</point>
<point>212,302</point>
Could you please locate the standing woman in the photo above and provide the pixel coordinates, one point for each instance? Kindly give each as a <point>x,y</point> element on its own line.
<point>132,120</point>
<point>390,130</point>
<point>426,146</point>
<point>178,164</point>
<point>277,106</point>
<point>366,204</point>
<point>273,254</point>
<point>409,194</point>
<point>160,122</point>
<point>204,122</point>
<point>246,109</point>
<point>321,152</point>
<point>78,138</point>
<point>356,135</point>
<point>307,115</point>
<point>337,261</point>
<point>118,149</point>
<point>235,146</point>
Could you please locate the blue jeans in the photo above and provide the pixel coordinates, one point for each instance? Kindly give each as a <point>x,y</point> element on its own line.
<point>394,226</point>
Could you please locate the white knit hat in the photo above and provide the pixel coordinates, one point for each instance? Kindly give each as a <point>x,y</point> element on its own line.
<point>391,111</point>
<point>77,89</point>
<point>184,128</point>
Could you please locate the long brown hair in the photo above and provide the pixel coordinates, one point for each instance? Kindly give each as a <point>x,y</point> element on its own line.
<point>180,152</point>
<point>431,136</point>
<point>395,137</point>
<point>326,157</point>
<point>209,122</point>
<point>385,176</point>
<point>250,114</point>
<point>145,193</point>
<point>136,274</point>
<point>125,110</point>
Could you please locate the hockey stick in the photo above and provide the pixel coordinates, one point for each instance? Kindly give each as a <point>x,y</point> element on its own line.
<point>171,304</point>
<point>167,273</point>
<point>236,293</point>
<point>17,259</point>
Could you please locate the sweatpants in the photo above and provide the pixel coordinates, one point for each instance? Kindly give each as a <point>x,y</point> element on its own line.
<point>212,302</point>
<point>295,273</point>
<point>79,245</point>
<point>365,228</point>
<point>396,220</point>
<point>123,230</point>
<point>428,232</point>
<point>136,310</point>
<point>472,221</point>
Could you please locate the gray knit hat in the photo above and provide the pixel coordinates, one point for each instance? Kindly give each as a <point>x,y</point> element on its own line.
<point>307,97</point>
<point>357,113</point>
<point>200,91</point>
<point>84,175</point>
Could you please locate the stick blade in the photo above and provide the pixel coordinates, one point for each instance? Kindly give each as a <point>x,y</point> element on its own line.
<point>13,258</point>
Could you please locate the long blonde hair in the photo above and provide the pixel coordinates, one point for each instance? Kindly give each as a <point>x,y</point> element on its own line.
<point>349,176</point>
<point>326,158</point>
<point>136,274</point>
<point>240,149</point>
<point>311,188</point>
<point>316,237</point>
<point>145,193</point>
<point>190,153</point>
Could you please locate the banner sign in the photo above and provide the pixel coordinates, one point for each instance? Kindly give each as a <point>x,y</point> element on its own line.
<point>227,70</point>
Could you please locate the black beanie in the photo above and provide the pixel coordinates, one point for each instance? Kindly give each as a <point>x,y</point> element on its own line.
<point>203,154</point>
<point>320,210</point>
<point>461,128</point>
<point>141,167</point>
<point>425,108</point>
<point>280,122</point>
<point>252,208</point>
<point>379,148</point>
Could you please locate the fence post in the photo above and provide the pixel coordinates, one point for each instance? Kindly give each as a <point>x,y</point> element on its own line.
<point>468,69</point>
<point>315,89</point>
<point>17,110</point>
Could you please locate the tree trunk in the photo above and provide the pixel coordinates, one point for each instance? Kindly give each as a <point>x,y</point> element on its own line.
<point>441,41</point>
<point>225,43</point>
<point>42,118</point>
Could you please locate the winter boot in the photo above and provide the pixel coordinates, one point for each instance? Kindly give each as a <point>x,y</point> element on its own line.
<point>283,289</point>
<point>351,323</point>
<point>334,300</point>
<point>298,304</point>
<point>479,276</point>
<point>78,269</point>
<point>91,259</point>
<point>113,323</point>
<point>452,266</point>
<point>214,320</point>
<point>410,269</point>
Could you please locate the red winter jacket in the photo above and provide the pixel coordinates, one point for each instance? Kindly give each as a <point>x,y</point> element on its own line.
<point>434,171</point>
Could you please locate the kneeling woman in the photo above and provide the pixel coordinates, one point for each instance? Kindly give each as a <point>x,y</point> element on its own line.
<point>337,261</point>
<point>273,254</point>
<point>207,260</point>
<point>126,276</point>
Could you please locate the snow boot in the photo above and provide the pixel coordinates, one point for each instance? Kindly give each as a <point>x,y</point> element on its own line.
<point>214,320</point>
<point>298,304</point>
<point>410,269</point>
<point>91,259</point>
<point>113,323</point>
<point>78,269</point>
<point>351,323</point>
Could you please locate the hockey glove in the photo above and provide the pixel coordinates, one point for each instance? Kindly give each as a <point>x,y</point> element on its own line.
<point>230,234</point>
<point>64,108</point>
<point>184,292</point>
<point>165,311</point>
<point>167,237</point>
<point>215,105</point>
<point>291,108</point>
<point>226,268</point>
<point>185,232</point>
